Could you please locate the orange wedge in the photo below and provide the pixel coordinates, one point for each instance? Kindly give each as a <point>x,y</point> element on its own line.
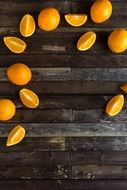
<point>115,105</point>
<point>16,45</point>
<point>86,41</point>
<point>29,98</point>
<point>76,19</point>
<point>27,25</point>
<point>124,88</point>
<point>15,136</point>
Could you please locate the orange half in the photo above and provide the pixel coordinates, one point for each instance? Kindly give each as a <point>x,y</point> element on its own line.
<point>76,19</point>
<point>86,41</point>
<point>115,105</point>
<point>27,25</point>
<point>15,136</point>
<point>15,44</point>
<point>29,98</point>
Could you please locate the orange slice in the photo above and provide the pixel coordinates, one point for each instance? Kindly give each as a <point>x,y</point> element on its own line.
<point>15,136</point>
<point>16,45</point>
<point>86,41</point>
<point>124,88</point>
<point>76,19</point>
<point>115,105</point>
<point>27,25</point>
<point>29,98</point>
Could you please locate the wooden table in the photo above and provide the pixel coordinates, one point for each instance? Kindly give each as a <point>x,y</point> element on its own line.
<point>70,143</point>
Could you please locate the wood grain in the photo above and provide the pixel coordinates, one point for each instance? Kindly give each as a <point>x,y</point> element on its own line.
<point>54,129</point>
<point>65,87</point>
<point>72,74</point>
<point>68,137</point>
<point>65,61</point>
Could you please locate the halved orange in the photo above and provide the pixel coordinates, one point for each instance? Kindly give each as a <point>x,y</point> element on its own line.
<point>86,41</point>
<point>15,44</point>
<point>29,98</point>
<point>27,25</point>
<point>16,135</point>
<point>76,19</point>
<point>115,105</point>
<point>124,88</point>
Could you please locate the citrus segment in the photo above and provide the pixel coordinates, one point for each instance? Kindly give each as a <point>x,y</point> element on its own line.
<point>49,19</point>
<point>115,105</point>
<point>124,88</point>
<point>19,74</point>
<point>86,41</point>
<point>101,11</point>
<point>7,109</point>
<point>27,25</point>
<point>117,40</point>
<point>29,98</point>
<point>14,44</point>
<point>16,135</point>
<point>76,19</point>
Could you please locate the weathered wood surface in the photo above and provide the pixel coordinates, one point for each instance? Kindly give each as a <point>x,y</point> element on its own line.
<point>75,74</point>
<point>70,142</point>
<point>64,184</point>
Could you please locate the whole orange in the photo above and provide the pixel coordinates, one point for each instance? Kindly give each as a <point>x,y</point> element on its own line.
<point>117,40</point>
<point>101,10</point>
<point>19,74</point>
<point>49,19</point>
<point>7,109</point>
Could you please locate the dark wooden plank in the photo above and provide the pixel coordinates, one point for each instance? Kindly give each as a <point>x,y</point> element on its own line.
<point>99,143</point>
<point>38,116</point>
<point>37,144</point>
<point>102,129</point>
<point>49,171</point>
<point>66,102</point>
<point>58,171</point>
<point>29,184</point>
<point>53,60</point>
<point>114,158</point>
<point>34,158</point>
<point>79,144</point>
<point>65,87</point>
<point>64,184</point>
<point>99,172</point>
<point>93,184</point>
<point>71,74</point>
<point>31,6</point>
<point>98,115</point>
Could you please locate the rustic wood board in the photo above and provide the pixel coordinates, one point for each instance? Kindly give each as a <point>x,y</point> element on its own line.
<point>70,142</point>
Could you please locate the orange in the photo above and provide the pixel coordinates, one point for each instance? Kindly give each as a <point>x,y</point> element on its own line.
<point>101,11</point>
<point>117,40</point>
<point>27,25</point>
<point>76,19</point>
<point>115,105</point>
<point>14,44</point>
<point>19,74</point>
<point>49,19</point>
<point>124,88</point>
<point>7,109</point>
<point>86,41</point>
<point>15,136</point>
<point>29,98</point>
